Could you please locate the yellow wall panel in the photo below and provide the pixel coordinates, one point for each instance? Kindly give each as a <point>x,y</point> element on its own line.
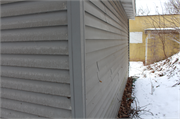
<point>155,48</point>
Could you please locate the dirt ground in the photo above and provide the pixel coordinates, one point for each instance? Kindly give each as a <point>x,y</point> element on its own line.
<point>125,108</point>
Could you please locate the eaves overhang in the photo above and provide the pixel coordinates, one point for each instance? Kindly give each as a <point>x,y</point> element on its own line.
<point>129,7</point>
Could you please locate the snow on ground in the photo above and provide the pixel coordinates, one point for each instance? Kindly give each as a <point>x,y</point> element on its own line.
<point>157,88</point>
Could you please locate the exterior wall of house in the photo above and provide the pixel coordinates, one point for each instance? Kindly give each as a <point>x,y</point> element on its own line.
<point>154,51</point>
<point>35,79</point>
<point>63,59</point>
<point>106,57</point>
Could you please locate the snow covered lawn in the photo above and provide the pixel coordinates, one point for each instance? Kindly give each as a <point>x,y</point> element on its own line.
<point>158,88</point>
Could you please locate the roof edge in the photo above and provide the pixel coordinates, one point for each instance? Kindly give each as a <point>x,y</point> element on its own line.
<point>130,8</point>
<point>134,8</point>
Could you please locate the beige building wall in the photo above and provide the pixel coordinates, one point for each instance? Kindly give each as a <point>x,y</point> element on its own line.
<point>154,50</point>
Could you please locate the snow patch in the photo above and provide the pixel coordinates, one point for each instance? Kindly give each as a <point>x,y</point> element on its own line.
<point>158,87</point>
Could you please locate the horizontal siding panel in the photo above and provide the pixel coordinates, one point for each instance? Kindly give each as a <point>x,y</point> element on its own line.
<point>107,60</point>
<point>115,67</point>
<point>35,20</point>
<point>114,108</point>
<point>92,21</point>
<point>98,75</point>
<point>109,66</point>
<point>91,82</point>
<point>96,85</point>
<point>36,86</point>
<point>114,14</point>
<point>101,97</point>
<point>92,95</point>
<point>108,99</point>
<point>120,12</point>
<point>99,5</point>
<point>92,69</point>
<point>7,2</point>
<point>93,57</point>
<point>119,89</point>
<point>93,45</point>
<point>93,10</point>
<point>53,48</point>
<point>111,111</point>
<point>52,62</point>
<point>111,12</point>
<point>35,109</point>
<point>93,33</point>
<point>37,98</point>
<point>35,34</point>
<point>119,92</point>
<point>118,68</point>
<point>109,106</point>
<point>92,90</point>
<point>121,9</point>
<point>35,77</point>
<point>15,114</point>
<point>117,58</point>
<point>32,7</point>
<point>106,37</point>
<point>108,11</point>
<point>59,76</point>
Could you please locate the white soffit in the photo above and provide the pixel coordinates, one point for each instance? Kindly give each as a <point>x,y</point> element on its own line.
<point>129,7</point>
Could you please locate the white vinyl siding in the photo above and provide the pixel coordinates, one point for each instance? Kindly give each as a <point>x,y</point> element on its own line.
<point>106,62</point>
<point>35,79</point>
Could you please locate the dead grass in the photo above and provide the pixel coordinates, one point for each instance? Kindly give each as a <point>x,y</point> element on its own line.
<point>125,107</point>
<point>126,111</point>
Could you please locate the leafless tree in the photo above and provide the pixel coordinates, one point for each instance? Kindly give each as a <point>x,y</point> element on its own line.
<point>173,7</point>
<point>166,27</point>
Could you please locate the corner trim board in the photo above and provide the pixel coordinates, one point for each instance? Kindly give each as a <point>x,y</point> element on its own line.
<point>76,40</point>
